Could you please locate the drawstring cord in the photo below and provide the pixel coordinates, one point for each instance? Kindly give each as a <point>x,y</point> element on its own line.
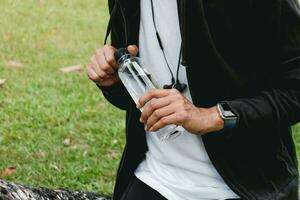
<point>113,12</point>
<point>161,45</point>
<point>108,29</point>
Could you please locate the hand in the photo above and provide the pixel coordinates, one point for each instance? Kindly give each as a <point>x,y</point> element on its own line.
<point>165,107</point>
<point>103,66</point>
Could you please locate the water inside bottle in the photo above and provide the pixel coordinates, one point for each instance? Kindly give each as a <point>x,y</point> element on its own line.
<point>137,82</point>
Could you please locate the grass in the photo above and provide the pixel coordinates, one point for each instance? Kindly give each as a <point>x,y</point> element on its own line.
<point>56,128</point>
<point>40,107</point>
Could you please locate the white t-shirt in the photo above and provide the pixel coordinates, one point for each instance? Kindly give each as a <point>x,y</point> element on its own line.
<point>180,168</point>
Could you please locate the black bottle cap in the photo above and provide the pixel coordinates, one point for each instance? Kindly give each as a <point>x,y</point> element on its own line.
<point>120,53</point>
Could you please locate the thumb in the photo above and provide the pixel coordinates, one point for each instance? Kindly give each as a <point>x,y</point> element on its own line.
<point>133,49</point>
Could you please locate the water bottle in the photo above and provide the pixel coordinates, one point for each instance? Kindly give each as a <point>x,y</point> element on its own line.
<point>137,80</point>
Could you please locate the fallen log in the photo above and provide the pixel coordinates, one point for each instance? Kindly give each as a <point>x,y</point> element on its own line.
<point>13,191</point>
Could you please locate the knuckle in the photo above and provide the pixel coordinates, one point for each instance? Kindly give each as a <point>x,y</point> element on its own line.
<point>110,60</point>
<point>151,105</point>
<point>151,92</point>
<point>111,49</point>
<point>156,113</point>
<point>92,59</point>
<point>107,49</point>
<point>102,75</point>
<point>154,91</point>
<point>98,51</point>
<point>107,46</point>
<point>174,91</point>
<point>105,67</point>
<point>92,77</point>
<point>163,121</point>
<point>140,101</point>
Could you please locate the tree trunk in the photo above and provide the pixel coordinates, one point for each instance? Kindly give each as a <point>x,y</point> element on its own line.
<point>12,191</point>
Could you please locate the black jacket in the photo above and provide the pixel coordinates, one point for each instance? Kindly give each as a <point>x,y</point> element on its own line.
<point>245,52</point>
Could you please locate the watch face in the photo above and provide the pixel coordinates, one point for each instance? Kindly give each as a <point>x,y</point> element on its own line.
<point>226,111</point>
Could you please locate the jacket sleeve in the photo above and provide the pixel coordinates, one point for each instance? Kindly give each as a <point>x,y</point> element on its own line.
<point>117,95</point>
<point>278,105</point>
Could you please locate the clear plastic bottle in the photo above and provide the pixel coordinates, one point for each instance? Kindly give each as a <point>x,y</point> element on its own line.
<point>138,81</point>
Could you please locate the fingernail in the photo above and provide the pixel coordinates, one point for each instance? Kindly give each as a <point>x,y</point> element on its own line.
<point>145,127</point>
<point>137,105</point>
<point>141,120</point>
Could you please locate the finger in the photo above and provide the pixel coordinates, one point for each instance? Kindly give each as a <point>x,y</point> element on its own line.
<point>133,49</point>
<point>155,93</point>
<point>94,63</point>
<point>102,65</point>
<point>153,105</point>
<point>168,120</point>
<point>109,54</point>
<point>101,74</point>
<point>92,74</point>
<point>160,113</point>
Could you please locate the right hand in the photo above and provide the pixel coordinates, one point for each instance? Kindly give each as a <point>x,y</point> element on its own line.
<point>103,68</point>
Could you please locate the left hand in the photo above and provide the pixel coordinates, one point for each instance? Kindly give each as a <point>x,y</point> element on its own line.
<point>168,106</point>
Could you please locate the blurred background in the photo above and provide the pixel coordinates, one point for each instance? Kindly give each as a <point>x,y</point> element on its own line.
<point>56,129</point>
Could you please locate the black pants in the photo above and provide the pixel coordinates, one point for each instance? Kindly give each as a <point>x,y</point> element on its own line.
<point>137,190</point>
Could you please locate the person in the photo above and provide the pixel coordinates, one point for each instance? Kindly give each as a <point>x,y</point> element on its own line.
<point>234,88</point>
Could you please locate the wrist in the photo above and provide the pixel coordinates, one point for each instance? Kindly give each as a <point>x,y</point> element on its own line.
<point>214,122</point>
<point>217,123</point>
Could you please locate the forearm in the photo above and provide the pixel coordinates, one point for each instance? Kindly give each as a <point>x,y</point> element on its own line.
<point>117,95</point>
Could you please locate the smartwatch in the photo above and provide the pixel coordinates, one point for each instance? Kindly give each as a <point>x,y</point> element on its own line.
<point>230,119</point>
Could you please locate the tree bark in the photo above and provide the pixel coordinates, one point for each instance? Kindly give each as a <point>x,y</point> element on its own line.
<point>12,191</point>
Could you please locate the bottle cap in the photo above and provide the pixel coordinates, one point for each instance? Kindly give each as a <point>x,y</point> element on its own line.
<point>120,53</point>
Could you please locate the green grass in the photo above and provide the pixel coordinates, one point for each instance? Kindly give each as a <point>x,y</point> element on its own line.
<point>40,107</point>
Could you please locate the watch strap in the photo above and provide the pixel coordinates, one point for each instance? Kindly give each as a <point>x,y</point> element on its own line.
<point>229,122</point>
